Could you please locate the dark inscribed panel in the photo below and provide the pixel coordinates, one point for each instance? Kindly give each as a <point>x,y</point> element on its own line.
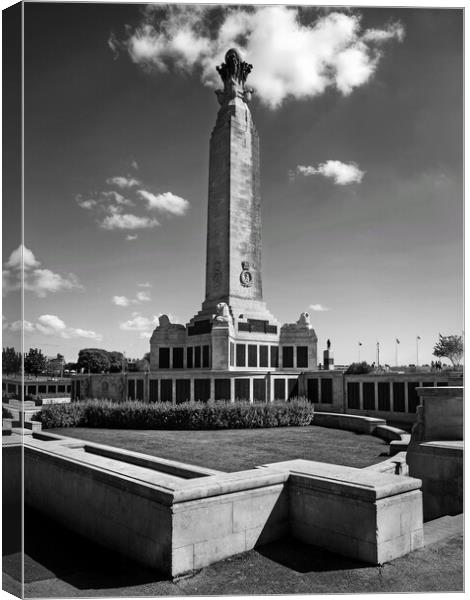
<point>368,395</point>
<point>189,357</point>
<point>279,389</point>
<point>222,389</point>
<point>166,390</point>
<point>302,357</point>
<point>398,396</point>
<point>202,390</point>
<point>182,390</point>
<point>326,391</point>
<point>263,356</point>
<point>242,389</point>
<point>353,394</point>
<point>274,357</point>
<point>178,354</point>
<point>241,351</point>
<point>163,358</point>
<point>252,355</point>
<point>287,357</point>
<point>153,390</point>
<point>312,390</point>
<point>293,388</point>
<point>205,357</point>
<point>384,395</point>
<point>140,389</point>
<point>131,389</point>
<point>259,390</point>
<point>197,357</point>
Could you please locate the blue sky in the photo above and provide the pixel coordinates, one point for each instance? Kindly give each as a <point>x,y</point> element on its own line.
<point>359,114</point>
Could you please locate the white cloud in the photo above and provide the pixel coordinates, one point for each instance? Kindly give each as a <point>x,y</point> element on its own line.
<point>52,325</point>
<point>318,308</point>
<point>139,323</point>
<point>143,296</point>
<point>87,203</point>
<point>26,326</point>
<point>127,221</point>
<point>341,173</point>
<point>36,280</point>
<point>146,284</point>
<point>134,165</point>
<point>121,301</point>
<point>130,237</point>
<point>116,197</point>
<point>165,203</point>
<point>123,182</point>
<point>292,54</point>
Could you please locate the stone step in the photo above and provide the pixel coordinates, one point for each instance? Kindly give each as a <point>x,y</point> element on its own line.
<point>442,528</point>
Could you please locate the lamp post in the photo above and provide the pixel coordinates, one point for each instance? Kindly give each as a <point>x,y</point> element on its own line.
<point>397,341</point>
<point>378,354</point>
<point>359,351</point>
<point>417,350</point>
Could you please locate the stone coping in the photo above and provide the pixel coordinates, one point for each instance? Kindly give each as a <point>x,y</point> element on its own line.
<point>149,481</point>
<point>348,481</point>
<point>447,390</point>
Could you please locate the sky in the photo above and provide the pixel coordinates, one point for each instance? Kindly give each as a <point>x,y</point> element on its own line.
<point>359,113</point>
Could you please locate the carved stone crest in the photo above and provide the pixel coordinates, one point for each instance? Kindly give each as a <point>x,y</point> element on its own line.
<point>246,278</point>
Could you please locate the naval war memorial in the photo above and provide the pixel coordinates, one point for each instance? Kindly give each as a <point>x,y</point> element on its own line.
<point>177,518</point>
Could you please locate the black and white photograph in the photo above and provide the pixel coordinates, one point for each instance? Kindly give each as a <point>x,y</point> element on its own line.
<point>232,300</point>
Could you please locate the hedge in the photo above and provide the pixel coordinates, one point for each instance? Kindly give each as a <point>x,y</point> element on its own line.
<point>6,414</point>
<point>188,415</point>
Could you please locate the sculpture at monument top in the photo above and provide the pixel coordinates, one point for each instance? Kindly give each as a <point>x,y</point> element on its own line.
<point>233,73</point>
<point>328,344</point>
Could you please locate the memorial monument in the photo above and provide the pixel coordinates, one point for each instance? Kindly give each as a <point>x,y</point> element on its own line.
<point>234,331</point>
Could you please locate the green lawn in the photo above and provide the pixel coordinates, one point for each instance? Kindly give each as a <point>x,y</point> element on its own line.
<point>239,449</point>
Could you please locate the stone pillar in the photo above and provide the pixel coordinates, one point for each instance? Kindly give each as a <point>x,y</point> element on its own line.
<point>173,390</point>
<point>251,389</point>
<point>232,389</point>
<point>212,389</point>
<point>361,395</point>
<point>376,395</point>
<point>191,389</point>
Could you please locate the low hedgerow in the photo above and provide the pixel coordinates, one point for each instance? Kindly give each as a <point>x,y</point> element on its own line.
<point>188,415</point>
<point>6,414</point>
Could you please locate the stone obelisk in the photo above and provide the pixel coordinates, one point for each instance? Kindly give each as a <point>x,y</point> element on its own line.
<point>233,261</point>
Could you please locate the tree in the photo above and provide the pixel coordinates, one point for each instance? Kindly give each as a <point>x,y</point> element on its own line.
<point>55,366</point>
<point>450,347</point>
<point>357,368</point>
<point>117,362</point>
<point>11,361</point>
<point>34,362</point>
<point>93,360</point>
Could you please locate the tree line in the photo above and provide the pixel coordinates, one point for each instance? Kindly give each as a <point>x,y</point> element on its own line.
<point>90,360</point>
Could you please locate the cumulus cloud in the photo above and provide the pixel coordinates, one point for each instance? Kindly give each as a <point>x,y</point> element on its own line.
<point>108,205</point>
<point>146,284</point>
<point>341,173</point>
<point>127,221</point>
<point>165,203</point>
<point>294,55</point>
<point>123,182</point>
<point>141,296</point>
<point>121,301</point>
<point>37,280</point>
<point>52,325</point>
<point>134,165</point>
<point>139,323</point>
<point>318,308</point>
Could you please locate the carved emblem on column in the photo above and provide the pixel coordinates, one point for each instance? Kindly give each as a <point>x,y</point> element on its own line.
<point>217,275</point>
<point>246,278</point>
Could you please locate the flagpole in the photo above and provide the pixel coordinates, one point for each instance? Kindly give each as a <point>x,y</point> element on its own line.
<point>359,351</point>
<point>378,354</point>
<point>396,352</point>
<point>417,350</point>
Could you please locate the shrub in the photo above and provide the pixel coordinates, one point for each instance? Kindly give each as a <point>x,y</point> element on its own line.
<point>6,414</point>
<point>189,415</point>
<point>358,368</point>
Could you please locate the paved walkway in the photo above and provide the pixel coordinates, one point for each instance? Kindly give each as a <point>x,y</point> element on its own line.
<point>61,564</point>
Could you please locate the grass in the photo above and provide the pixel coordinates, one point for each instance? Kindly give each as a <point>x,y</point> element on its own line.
<point>236,450</point>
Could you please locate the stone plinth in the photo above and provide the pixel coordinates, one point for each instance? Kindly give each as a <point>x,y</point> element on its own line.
<point>176,518</point>
<point>435,453</point>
